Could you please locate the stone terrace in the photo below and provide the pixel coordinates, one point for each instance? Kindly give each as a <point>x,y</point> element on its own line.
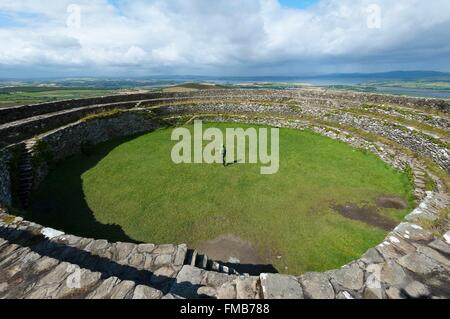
<point>413,261</point>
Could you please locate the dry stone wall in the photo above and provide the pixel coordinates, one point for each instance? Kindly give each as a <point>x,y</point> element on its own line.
<point>416,141</point>
<point>27,128</point>
<point>326,96</point>
<point>70,139</point>
<point>37,262</point>
<point>5,180</point>
<point>412,262</point>
<point>15,113</point>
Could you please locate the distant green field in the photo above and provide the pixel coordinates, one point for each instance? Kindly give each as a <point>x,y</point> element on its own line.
<point>131,190</point>
<point>32,95</point>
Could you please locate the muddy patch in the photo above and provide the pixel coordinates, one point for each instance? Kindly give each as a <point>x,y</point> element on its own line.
<point>391,202</point>
<point>237,253</point>
<point>367,214</point>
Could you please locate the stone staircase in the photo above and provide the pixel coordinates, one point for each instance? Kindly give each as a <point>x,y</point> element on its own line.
<point>25,172</point>
<point>194,259</point>
<point>39,262</point>
<point>420,177</point>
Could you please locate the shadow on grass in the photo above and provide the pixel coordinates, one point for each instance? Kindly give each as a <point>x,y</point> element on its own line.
<point>60,202</point>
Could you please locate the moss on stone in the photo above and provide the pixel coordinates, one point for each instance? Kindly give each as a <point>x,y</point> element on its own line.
<point>430,184</point>
<point>41,154</point>
<point>437,227</point>
<point>102,115</point>
<point>8,220</point>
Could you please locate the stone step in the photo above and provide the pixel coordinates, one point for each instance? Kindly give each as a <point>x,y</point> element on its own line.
<point>419,195</point>
<point>24,195</point>
<point>30,144</point>
<point>25,203</point>
<point>25,185</point>
<point>419,173</point>
<point>194,259</point>
<point>218,267</point>
<point>191,257</point>
<point>202,261</point>
<point>23,163</point>
<point>26,153</point>
<point>205,262</point>
<point>25,192</point>
<point>24,199</point>
<point>225,269</point>
<point>25,178</point>
<point>214,266</point>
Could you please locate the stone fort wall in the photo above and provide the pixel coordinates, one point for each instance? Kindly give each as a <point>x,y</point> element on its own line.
<point>5,181</point>
<point>411,261</point>
<point>15,113</point>
<point>69,140</point>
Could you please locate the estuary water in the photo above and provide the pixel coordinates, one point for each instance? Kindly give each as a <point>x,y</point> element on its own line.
<point>441,94</point>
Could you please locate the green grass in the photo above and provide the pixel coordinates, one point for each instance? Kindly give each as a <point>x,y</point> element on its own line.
<point>130,190</point>
<point>34,95</point>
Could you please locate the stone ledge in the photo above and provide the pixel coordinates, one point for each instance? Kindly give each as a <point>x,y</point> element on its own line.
<point>410,263</point>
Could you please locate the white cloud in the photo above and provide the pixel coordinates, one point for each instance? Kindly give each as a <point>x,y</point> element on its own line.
<point>227,36</point>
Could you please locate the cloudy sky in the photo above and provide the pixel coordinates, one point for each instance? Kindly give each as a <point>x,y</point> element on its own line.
<point>221,37</point>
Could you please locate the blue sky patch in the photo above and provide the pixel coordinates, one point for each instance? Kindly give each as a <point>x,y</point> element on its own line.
<point>298,4</point>
<point>7,20</point>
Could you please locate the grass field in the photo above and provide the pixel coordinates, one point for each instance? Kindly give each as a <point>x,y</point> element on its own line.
<point>130,190</point>
<point>32,95</point>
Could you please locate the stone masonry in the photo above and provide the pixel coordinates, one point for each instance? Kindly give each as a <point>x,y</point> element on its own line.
<point>412,262</point>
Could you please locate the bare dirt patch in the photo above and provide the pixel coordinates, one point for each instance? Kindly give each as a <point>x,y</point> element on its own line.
<point>229,246</point>
<point>391,202</point>
<point>366,214</point>
<point>237,253</point>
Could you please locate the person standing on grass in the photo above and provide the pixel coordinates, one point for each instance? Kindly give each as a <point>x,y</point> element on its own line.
<point>224,155</point>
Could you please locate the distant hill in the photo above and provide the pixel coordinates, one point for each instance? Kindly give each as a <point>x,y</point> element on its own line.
<point>194,87</point>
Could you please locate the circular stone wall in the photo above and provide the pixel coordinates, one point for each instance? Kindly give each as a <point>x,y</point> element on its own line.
<point>326,206</point>
<point>411,262</point>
